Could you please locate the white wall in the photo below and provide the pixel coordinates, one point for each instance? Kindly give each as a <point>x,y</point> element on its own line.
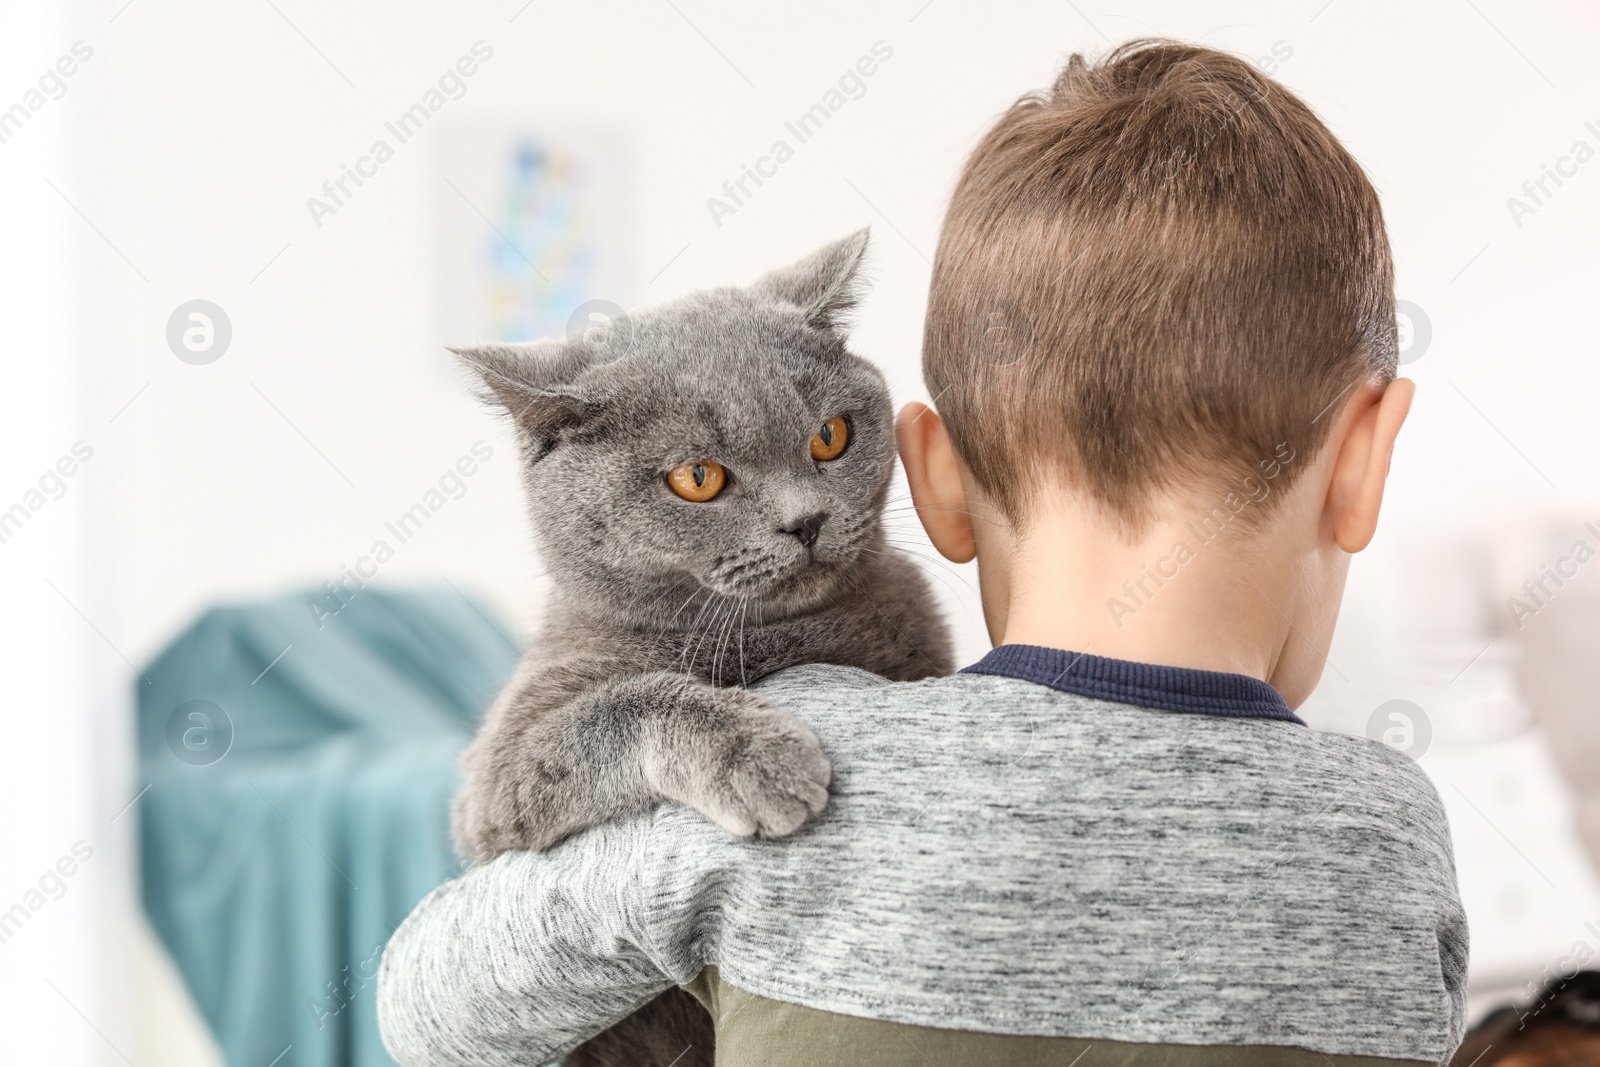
<point>192,138</point>
<point>63,769</point>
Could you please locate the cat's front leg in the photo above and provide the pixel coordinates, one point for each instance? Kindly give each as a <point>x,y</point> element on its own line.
<point>751,769</point>
<point>538,774</point>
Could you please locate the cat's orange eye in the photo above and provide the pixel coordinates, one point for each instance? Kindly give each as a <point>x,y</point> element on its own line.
<point>698,482</point>
<point>830,441</point>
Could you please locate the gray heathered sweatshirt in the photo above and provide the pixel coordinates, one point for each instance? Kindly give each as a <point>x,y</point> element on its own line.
<point>1047,844</point>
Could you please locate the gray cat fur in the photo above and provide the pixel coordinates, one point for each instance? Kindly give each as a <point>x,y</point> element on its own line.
<point>662,607</point>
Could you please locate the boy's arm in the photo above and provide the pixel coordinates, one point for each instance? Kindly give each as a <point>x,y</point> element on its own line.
<point>523,958</point>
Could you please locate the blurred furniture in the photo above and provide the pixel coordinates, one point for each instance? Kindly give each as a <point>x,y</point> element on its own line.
<point>1560,677</point>
<point>1547,576</point>
<point>299,773</point>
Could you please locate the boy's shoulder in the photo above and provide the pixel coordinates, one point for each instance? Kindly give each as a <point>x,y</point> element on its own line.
<point>990,842</point>
<point>806,677</point>
<point>829,694</point>
<point>1394,792</point>
<point>987,736</point>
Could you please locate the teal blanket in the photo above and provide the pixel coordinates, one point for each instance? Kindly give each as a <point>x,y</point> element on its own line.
<point>300,768</point>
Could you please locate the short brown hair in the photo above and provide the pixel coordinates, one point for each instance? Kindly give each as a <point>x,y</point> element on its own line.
<point>1163,269</point>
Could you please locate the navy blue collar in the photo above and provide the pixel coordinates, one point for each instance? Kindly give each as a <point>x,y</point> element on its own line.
<point>1147,685</point>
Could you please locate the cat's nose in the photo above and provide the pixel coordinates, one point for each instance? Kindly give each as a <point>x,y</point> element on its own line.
<point>807,527</point>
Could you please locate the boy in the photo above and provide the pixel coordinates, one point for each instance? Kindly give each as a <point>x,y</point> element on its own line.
<point>1161,332</point>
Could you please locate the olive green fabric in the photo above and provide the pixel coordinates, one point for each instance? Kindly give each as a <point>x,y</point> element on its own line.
<point>753,1031</point>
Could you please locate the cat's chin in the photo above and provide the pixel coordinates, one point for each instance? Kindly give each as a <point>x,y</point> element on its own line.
<point>798,591</point>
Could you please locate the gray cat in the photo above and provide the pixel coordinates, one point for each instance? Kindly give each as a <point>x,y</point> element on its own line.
<point>706,482</point>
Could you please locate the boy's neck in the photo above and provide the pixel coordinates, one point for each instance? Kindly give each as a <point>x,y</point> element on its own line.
<point>1224,601</point>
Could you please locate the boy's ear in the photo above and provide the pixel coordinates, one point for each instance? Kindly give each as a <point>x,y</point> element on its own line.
<point>1365,442</point>
<point>935,480</point>
<point>534,383</point>
<point>824,285</point>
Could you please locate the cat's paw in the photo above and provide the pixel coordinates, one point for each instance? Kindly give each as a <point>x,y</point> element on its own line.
<point>762,772</point>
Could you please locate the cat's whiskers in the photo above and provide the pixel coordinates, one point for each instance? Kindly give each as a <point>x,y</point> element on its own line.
<point>723,616</point>
<point>688,635</point>
<point>735,635</point>
<point>691,645</point>
<point>712,627</point>
<point>744,606</point>
<point>993,514</point>
<point>906,502</point>
<point>918,550</point>
<point>918,560</point>
<point>907,533</point>
<point>685,604</point>
<point>874,605</point>
<point>650,607</point>
<point>725,631</point>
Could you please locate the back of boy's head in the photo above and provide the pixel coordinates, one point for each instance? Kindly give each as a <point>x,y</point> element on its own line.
<point>1154,276</point>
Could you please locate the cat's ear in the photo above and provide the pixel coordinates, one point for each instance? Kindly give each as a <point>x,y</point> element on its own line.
<point>824,284</point>
<point>533,382</point>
